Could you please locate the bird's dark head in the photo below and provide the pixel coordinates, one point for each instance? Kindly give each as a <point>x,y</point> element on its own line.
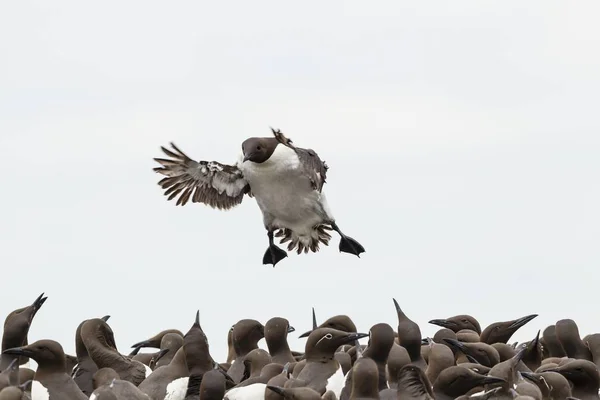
<point>258,149</point>
<point>44,352</point>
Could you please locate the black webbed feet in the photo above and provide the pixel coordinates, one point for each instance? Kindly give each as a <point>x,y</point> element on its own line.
<point>273,255</point>
<point>349,245</point>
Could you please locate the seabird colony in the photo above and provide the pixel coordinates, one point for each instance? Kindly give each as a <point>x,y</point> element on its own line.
<point>460,361</point>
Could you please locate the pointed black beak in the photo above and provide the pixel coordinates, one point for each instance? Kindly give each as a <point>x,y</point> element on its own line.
<point>134,352</point>
<point>276,389</point>
<point>352,337</point>
<point>305,334</point>
<point>530,375</point>
<point>291,329</point>
<point>19,351</point>
<point>488,380</point>
<point>463,349</point>
<point>160,355</point>
<point>521,321</point>
<point>139,345</point>
<point>105,318</point>
<point>441,322</point>
<point>455,343</point>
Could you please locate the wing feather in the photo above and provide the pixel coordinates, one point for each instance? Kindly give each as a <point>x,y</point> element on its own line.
<point>217,185</point>
<point>314,168</point>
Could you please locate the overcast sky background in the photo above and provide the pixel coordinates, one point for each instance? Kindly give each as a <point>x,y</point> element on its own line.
<point>462,139</point>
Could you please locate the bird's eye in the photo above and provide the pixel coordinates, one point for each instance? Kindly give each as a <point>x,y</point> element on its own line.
<point>464,320</point>
<point>328,336</point>
<point>257,147</point>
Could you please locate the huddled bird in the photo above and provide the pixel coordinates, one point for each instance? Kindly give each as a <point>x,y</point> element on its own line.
<point>459,361</point>
<point>287,182</point>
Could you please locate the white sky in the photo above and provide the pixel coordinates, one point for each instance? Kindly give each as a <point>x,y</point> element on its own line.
<point>463,141</point>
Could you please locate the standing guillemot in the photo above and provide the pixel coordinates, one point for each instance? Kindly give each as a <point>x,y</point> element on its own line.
<point>246,335</point>
<point>276,331</point>
<point>287,182</point>
<point>16,328</point>
<point>322,372</point>
<point>84,370</point>
<point>51,380</point>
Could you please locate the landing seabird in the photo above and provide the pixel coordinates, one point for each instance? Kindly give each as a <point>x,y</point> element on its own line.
<point>287,182</point>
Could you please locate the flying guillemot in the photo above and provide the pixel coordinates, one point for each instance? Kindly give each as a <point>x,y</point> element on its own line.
<point>287,182</point>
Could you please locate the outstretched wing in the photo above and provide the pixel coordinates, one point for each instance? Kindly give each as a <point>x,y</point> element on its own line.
<point>314,168</point>
<point>217,185</point>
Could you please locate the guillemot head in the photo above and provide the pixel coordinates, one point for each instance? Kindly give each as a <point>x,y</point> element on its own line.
<point>258,149</point>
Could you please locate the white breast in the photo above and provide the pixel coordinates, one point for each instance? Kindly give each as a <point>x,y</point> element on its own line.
<point>251,392</point>
<point>336,382</point>
<point>39,391</point>
<point>148,370</point>
<point>176,389</point>
<point>283,192</point>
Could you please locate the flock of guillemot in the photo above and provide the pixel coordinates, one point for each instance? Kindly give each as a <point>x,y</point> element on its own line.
<point>460,361</point>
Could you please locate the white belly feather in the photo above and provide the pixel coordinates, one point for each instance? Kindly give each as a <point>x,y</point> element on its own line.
<point>39,391</point>
<point>336,382</point>
<point>255,391</point>
<point>284,194</point>
<point>177,389</point>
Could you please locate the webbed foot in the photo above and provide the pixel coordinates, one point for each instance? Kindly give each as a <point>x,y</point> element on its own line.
<point>273,255</point>
<point>349,245</point>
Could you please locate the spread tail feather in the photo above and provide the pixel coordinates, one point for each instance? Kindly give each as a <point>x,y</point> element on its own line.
<point>306,242</point>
